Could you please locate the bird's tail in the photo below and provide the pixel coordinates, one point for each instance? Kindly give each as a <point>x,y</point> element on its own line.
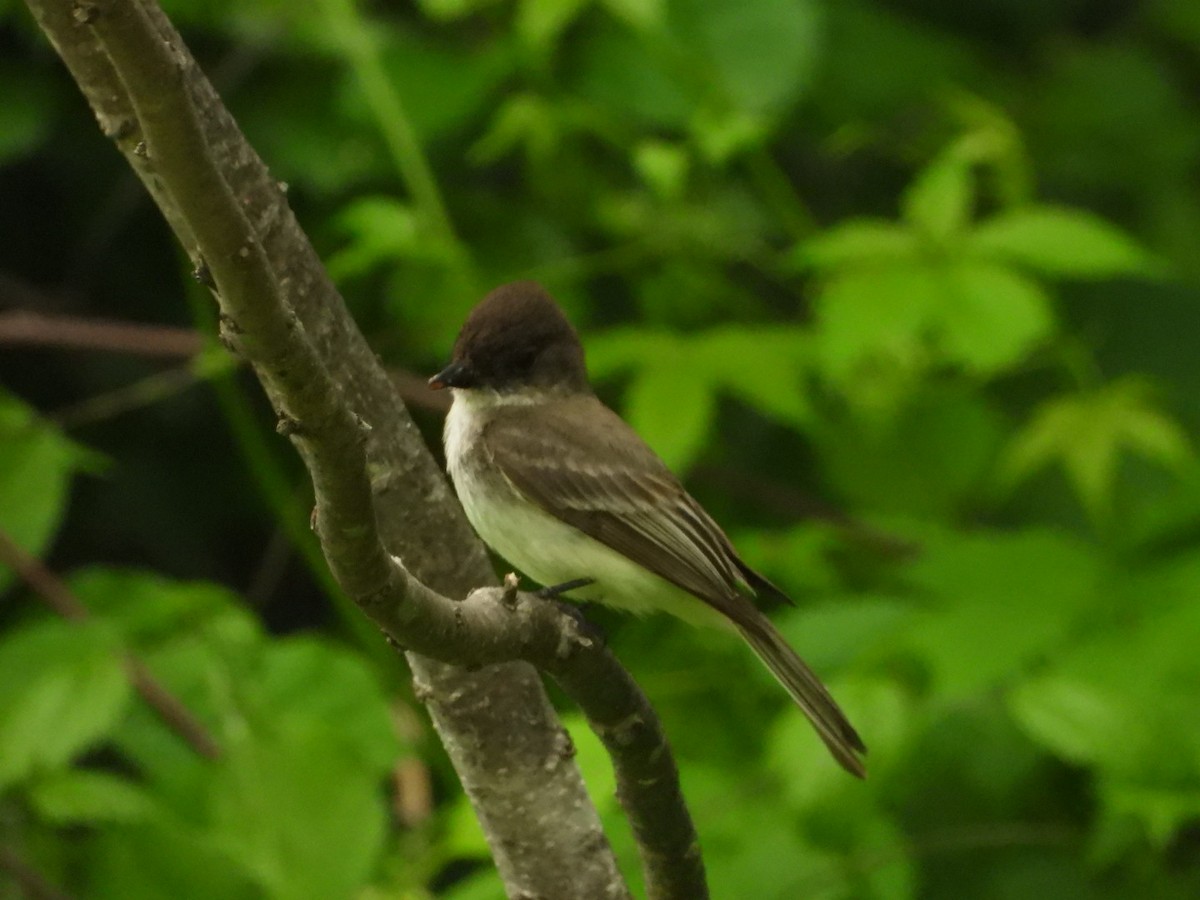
<point>808,692</point>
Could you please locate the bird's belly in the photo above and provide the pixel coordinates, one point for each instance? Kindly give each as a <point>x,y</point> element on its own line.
<point>552,552</point>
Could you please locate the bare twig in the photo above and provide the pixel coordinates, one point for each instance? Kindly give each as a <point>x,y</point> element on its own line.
<point>59,598</point>
<point>21,326</point>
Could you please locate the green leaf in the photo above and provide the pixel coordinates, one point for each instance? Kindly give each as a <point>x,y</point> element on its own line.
<point>672,396</point>
<point>288,119</point>
<point>540,22</point>
<point>615,73</point>
<point>304,681</point>
<point>761,56</point>
<point>722,135</point>
<point>929,459</point>
<point>992,318</point>
<point>834,634</point>
<point>920,59</point>
<point>201,642</point>
<point>939,202</point>
<point>997,602</point>
<point>1122,697</point>
<point>381,231</point>
<point>1162,811</point>
<point>442,87</point>
<point>620,349</point>
<point>594,763</point>
<point>727,69</point>
<point>765,368</point>
<point>1086,433</point>
<point>882,304</point>
<point>1060,241</point>
<point>857,242</point>
<point>522,120</point>
<point>163,857</point>
<point>687,295</point>
<point>36,465</point>
<point>662,166</point>
<point>797,559</point>
<point>150,610</point>
<point>672,408</point>
<point>62,689</point>
<point>292,809</point>
<point>484,884</point>
<point>749,830</point>
<point>641,14</point>
<point>82,797</point>
<point>1077,720</point>
<point>453,10</point>
<point>881,711</point>
<point>1156,437</point>
<point>864,314</point>
<point>26,111</point>
<point>462,834</point>
<point>897,875</point>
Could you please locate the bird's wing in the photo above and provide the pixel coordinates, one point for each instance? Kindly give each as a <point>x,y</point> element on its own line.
<point>589,469</point>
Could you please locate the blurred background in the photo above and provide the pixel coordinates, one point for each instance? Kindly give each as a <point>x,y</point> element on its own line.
<point>908,291</point>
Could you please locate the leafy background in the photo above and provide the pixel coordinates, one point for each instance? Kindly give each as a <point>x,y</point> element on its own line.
<point>907,291</point>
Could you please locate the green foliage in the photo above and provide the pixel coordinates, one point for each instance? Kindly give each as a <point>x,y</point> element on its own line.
<point>672,397</point>
<point>62,690</point>
<point>997,604</point>
<point>83,797</point>
<point>896,301</point>
<point>36,465</point>
<point>905,291</point>
<point>23,123</point>
<point>1086,434</point>
<point>293,807</point>
<point>1064,242</point>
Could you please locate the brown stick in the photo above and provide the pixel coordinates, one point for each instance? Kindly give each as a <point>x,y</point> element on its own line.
<point>22,326</point>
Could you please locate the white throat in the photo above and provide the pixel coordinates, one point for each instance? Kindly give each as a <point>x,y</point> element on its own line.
<point>469,412</point>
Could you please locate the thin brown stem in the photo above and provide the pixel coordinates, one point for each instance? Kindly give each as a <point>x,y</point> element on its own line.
<point>24,327</point>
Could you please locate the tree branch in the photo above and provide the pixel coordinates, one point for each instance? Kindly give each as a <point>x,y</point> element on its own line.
<point>377,487</point>
<point>22,326</point>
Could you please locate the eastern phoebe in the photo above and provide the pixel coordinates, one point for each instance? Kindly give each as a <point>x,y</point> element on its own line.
<point>558,485</point>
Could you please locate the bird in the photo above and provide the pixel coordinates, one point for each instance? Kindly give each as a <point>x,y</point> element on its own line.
<point>561,487</point>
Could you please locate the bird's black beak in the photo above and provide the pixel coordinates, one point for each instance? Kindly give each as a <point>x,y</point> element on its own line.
<point>456,374</point>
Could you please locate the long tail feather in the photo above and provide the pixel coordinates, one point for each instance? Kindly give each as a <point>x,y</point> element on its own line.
<point>808,692</point>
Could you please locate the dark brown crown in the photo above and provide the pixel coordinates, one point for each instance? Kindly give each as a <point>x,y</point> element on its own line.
<point>516,337</point>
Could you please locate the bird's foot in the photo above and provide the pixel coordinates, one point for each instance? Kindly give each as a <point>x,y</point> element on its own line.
<point>554,591</point>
